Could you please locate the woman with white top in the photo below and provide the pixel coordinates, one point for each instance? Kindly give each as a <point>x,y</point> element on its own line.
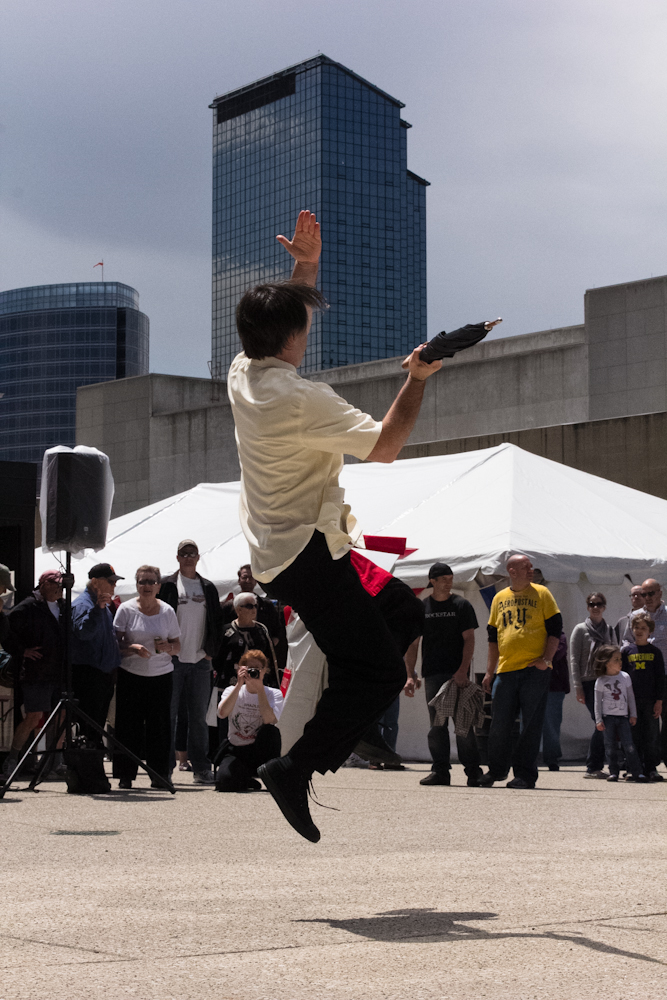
<point>148,635</point>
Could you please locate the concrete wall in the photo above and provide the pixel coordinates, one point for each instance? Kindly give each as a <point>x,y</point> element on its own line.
<point>592,396</point>
<point>627,333</point>
<point>524,381</point>
<point>162,433</point>
<point>627,450</point>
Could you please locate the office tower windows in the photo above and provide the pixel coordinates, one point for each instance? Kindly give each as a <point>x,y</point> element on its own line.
<point>318,136</point>
<point>54,338</point>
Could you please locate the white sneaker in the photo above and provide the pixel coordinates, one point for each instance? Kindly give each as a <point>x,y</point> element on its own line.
<point>203,778</point>
<point>596,774</point>
<point>354,760</point>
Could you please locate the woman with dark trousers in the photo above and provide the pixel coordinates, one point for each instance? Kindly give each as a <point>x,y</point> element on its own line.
<point>586,638</point>
<point>148,635</point>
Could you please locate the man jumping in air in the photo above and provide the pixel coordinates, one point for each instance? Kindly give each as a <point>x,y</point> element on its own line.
<point>292,435</point>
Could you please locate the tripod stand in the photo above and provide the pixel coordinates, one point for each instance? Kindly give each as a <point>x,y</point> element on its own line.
<point>67,711</point>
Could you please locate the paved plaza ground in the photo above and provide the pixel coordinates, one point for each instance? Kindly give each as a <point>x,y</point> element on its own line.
<point>412,893</point>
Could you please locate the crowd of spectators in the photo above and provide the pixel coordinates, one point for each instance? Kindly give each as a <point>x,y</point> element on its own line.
<point>186,678</point>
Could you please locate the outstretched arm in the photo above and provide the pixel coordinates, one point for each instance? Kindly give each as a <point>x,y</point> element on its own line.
<point>306,247</point>
<point>403,412</point>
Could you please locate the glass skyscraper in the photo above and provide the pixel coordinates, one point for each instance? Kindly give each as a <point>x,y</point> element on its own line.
<point>317,136</point>
<point>54,338</point>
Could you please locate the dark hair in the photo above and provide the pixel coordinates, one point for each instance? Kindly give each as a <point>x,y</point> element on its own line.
<point>597,596</point>
<point>644,618</point>
<point>603,655</point>
<point>245,566</point>
<point>269,315</point>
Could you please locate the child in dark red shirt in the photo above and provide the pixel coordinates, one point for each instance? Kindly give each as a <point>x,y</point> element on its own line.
<point>643,661</point>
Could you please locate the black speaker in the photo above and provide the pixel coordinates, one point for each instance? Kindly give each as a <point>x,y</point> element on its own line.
<point>76,497</point>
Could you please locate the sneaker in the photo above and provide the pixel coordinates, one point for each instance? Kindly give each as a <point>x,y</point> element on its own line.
<point>288,783</point>
<point>637,777</point>
<point>203,778</point>
<point>354,760</point>
<point>518,783</point>
<point>436,779</point>
<point>655,776</point>
<point>185,766</point>
<point>595,774</point>
<point>612,777</point>
<point>486,780</point>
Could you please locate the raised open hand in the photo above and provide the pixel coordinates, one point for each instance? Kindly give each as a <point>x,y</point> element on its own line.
<point>306,244</point>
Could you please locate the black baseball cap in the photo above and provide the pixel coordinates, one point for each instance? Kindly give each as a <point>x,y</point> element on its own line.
<point>104,571</point>
<point>439,569</point>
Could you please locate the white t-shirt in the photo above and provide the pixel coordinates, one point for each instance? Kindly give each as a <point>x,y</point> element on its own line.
<point>54,608</point>
<point>191,615</point>
<point>145,629</point>
<point>246,719</point>
<point>292,435</point>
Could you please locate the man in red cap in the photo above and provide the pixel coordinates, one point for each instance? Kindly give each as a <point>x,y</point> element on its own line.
<point>36,641</point>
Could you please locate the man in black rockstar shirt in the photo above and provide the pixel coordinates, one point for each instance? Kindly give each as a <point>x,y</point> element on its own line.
<point>447,647</point>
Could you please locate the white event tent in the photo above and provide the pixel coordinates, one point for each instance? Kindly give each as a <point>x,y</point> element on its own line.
<point>472,509</point>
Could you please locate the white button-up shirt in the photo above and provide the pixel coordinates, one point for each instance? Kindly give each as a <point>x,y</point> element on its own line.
<point>291,436</point>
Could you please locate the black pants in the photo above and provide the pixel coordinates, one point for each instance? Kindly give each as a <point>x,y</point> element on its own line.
<point>240,764</point>
<point>366,669</point>
<point>646,736</point>
<point>438,737</point>
<point>143,722</point>
<point>94,690</point>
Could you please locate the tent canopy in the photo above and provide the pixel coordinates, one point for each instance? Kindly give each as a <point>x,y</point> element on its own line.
<point>472,510</point>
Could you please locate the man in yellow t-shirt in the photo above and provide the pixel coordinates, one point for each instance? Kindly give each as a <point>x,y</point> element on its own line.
<point>524,630</point>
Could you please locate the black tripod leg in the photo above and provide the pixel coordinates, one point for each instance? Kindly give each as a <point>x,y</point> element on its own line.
<point>47,757</point>
<point>115,742</point>
<point>10,780</point>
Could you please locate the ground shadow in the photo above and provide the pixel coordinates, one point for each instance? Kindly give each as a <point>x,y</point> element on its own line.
<point>417,924</point>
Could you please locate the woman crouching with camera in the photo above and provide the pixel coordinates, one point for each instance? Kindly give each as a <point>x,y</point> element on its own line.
<point>253,738</point>
<point>148,635</point>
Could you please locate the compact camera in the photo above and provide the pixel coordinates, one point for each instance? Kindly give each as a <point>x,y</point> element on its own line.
<point>253,672</point>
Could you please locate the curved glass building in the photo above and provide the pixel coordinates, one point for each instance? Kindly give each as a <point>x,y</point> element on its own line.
<point>54,338</point>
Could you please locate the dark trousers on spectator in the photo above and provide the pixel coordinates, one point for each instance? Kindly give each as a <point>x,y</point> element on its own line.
<point>239,764</point>
<point>366,669</point>
<point>595,758</point>
<point>553,719</point>
<point>646,736</point>
<point>438,737</point>
<point>143,722</point>
<point>617,730</point>
<point>663,732</point>
<point>388,723</point>
<point>94,690</point>
<point>525,691</point>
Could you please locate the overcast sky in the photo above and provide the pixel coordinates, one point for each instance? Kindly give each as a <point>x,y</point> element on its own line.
<point>539,123</point>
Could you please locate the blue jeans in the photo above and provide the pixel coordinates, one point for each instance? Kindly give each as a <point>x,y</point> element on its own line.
<point>525,691</point>
<point>388,723</point>
<point>553,717</point>
<point>194,679</point>
<point>595,758</point>
<point>617,729</point>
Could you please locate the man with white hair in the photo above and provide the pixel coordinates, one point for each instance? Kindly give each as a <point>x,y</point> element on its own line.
<point>524,631</point>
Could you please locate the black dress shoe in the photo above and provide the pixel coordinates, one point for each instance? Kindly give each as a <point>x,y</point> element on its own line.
<point>125,785</point>
<point>486,780</point>
<point>436,779</point>
<point>474,779</point>
<point>374,748</point>
<point>288,783</point>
